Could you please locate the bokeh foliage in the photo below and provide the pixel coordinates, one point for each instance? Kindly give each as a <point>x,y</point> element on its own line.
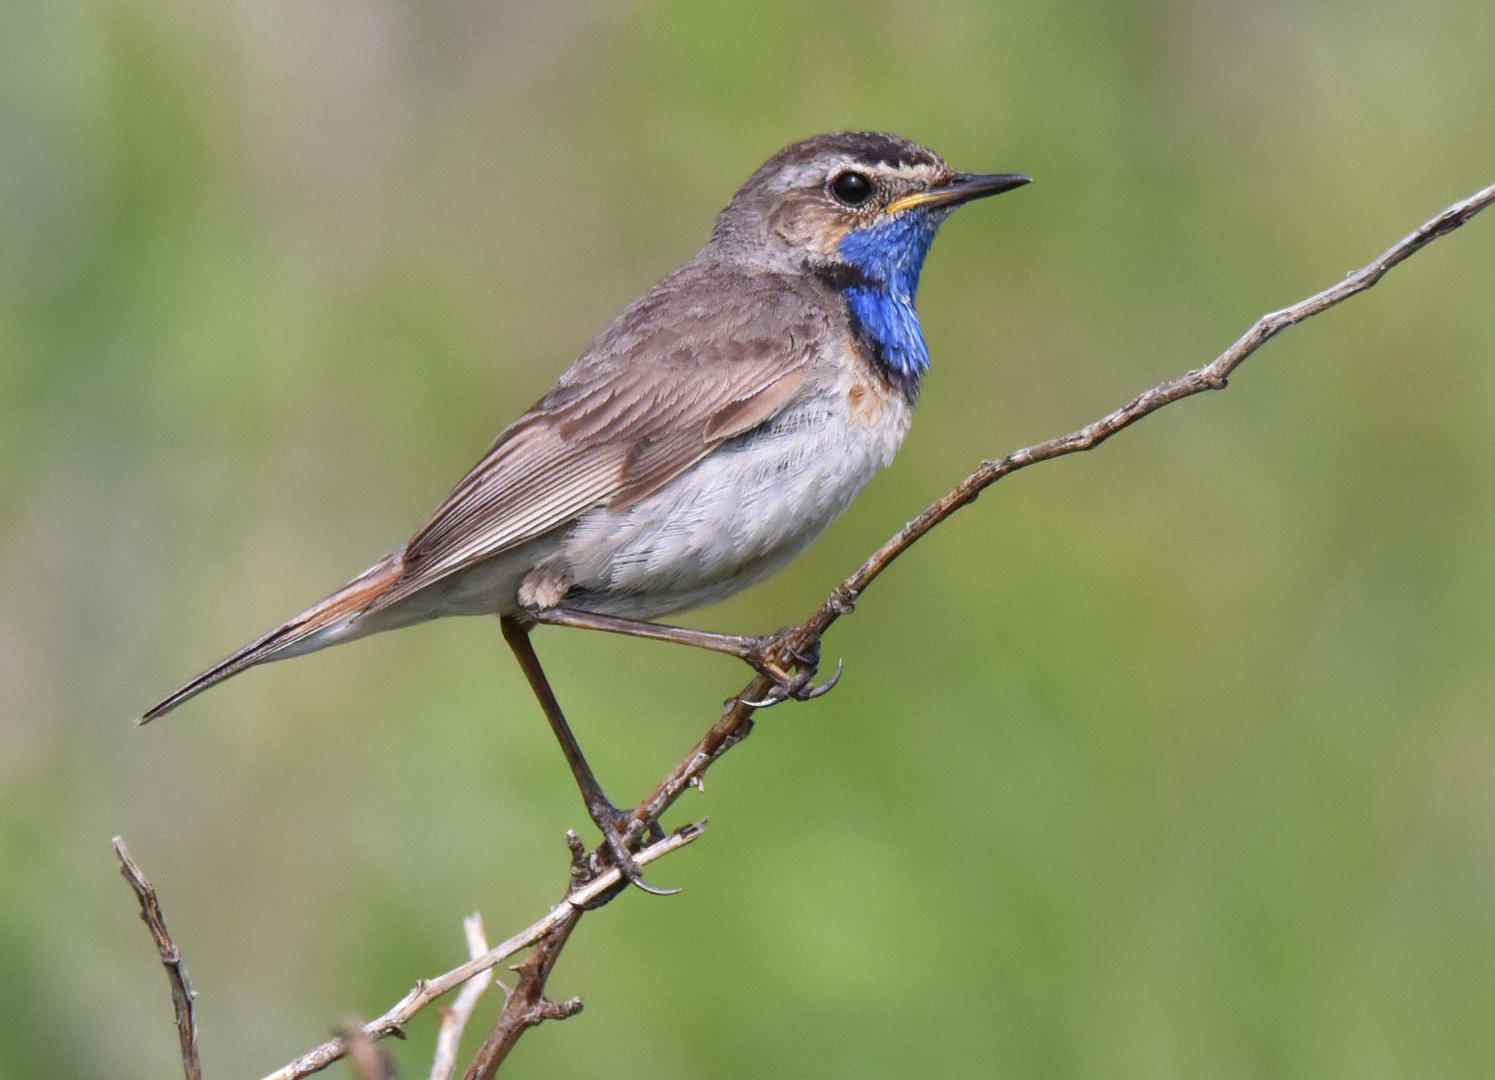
<point>1177,760</point>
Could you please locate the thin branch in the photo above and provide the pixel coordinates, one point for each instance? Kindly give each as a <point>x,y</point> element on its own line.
<point>455,1018</point>
<point>428,990</point>
<point>527,1005</point>
<point>1210,377</point>
<point>736,721</point>
<point>171,959</point>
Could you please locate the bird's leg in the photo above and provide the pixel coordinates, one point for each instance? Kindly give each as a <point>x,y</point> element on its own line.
<point>771,655</point>
<point>740,646</point>
<point>610,819</point>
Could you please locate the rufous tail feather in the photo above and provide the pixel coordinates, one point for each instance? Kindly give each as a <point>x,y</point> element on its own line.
<point>352,598</point>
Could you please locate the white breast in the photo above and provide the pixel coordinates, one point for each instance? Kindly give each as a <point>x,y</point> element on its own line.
<point>745,510</point>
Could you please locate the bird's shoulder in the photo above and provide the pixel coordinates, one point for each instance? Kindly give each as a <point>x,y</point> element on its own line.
<point>709,353</point>
<point>710,315</point>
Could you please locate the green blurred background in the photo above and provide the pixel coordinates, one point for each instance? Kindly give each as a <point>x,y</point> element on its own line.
<point>1174,760</point>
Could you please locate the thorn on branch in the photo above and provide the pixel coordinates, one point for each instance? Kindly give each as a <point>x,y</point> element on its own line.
<point>581,868</point>
<point>527,1004</point>
<point>559,1010</point>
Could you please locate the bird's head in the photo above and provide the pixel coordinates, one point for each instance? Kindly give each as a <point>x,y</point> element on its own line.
<point>858,210</point>
<point>861,200</point>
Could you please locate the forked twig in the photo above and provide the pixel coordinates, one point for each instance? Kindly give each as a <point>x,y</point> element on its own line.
<point>428,990</point>
<point>171,959</point>
<point>454,1018</point>
<point>527,1004</point>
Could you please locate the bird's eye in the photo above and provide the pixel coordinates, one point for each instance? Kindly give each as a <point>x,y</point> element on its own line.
<point>852,188</point>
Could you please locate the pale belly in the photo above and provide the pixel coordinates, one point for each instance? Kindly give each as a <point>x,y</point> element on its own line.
<point>743,512</point>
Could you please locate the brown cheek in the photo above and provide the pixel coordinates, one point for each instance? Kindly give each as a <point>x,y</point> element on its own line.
<point>804,224</point>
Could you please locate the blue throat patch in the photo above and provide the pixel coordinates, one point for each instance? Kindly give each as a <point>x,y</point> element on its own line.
<point>889,257</point>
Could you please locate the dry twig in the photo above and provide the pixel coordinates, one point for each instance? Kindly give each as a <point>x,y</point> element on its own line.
<point>428,990</point>
<point>527,1005</point>
<point>455,1018</point>
<point>595,882</point>
<point>171,959</point>
<point>1211,377</point>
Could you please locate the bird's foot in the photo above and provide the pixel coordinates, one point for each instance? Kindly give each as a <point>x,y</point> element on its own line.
<point>614,825</point>
<point>773,657</point>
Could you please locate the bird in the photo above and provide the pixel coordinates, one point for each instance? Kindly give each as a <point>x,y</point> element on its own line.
<point>700,443</point>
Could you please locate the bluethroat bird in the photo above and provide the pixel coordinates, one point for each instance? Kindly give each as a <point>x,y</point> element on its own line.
<point>700,443</point>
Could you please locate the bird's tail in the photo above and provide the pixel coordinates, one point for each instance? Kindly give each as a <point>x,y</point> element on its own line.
<point>324,620</point>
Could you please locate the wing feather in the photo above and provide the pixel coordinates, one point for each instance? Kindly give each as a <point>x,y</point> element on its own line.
<point>673,378</point>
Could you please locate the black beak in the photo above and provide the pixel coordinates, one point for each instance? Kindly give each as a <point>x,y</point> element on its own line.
<point>962,188</point>
<point>967,186</point>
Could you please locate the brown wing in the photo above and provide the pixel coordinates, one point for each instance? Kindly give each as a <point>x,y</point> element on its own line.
<point>690,365</point>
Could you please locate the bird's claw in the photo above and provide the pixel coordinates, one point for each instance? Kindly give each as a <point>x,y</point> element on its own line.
<point>810,693</point>
<point>612,822</point>
<point>778,653</point>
